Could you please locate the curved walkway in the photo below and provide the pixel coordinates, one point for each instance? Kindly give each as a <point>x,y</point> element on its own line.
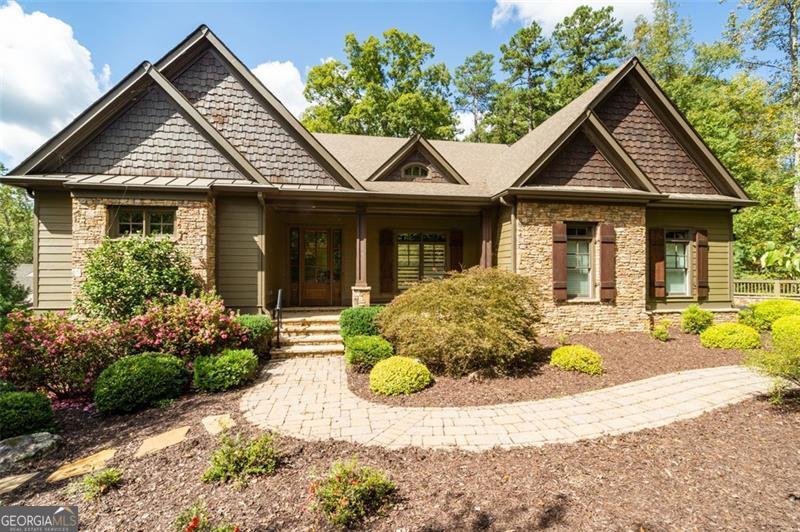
<point>308,398</point>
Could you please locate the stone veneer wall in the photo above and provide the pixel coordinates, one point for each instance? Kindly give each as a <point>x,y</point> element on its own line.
<point>535,252</point>
<point>195,232</point>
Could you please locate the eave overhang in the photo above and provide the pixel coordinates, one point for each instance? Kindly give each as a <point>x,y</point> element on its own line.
<point>581,194</point>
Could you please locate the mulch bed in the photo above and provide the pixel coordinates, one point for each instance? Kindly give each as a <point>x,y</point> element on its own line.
<point>626,357</point>
<point>736,468</point>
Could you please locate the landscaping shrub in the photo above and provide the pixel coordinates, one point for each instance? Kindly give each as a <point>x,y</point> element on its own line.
<point>258,328</point>
<point>96,484</point>
<point>187,327</point>
<point>231,368</point>
<point>6,387</point>
<point>139,381</point>
<point>239,458</point>
<point>577,358</point>
<point>12,294</point>
<point>363,352</point>
<point>350,493</point>
<point>481,318</point>
<point>53,352</point>
<point>762,315</point>
<point>24,413</point>
<point>123,275</point>
<point>786,334</point>
<point>695,320</point>
<point>399,375</point>
<point>359,321</point>
<point>196,519</point>
<point>730,336</point>
<point>783,366</point>
<point>661,331</point>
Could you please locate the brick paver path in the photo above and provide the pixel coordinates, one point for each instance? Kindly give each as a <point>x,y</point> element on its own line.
<point>308,398</point>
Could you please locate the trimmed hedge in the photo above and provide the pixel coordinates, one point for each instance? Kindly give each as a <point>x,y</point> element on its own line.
<point>24,413</point>
<point>139,381</point>
<point>695,320</point>
<point>763,315</point>
<point>730,336</point>
<point>399,375</point>
<point>363,352</point>
<point>577,358</point>
<point>786,334</point>
<point>231,368</point>
<point>359,321</point>
<point>258,328</point>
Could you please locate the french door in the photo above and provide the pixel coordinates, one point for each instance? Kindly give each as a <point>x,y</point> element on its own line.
<point>316,264</point>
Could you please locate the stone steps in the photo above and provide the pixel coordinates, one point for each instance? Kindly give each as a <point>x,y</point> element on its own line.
<point>310,339</point>
<point>307,332</point>
<point>308,350</point>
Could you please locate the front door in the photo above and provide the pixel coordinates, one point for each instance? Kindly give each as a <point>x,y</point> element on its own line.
<point>320,266</point>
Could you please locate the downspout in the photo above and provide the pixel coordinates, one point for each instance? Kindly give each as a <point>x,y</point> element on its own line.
<point>513,204</point>
<point>262,261</point>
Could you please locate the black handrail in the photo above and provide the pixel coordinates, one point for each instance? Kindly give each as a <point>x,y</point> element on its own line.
<point>277,317</point>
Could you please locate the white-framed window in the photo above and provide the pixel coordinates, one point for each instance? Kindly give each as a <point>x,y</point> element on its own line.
<point>126,221</point>
<point>415,170</point>
<point>677,244</point>
<point>420,255</point>
<point>579,260</point>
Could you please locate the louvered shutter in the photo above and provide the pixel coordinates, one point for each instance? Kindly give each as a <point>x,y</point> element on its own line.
<point>559,261</point>
<point>701,239</point>
<point>608,262</point>
<point>456,249</point>
<point>658,285</point>
<point>387,260</point>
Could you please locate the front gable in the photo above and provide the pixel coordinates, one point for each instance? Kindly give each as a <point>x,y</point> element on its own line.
<point>650,144</point>
<point>417,152</point>
<point>251,127</point>
<point>418,158</point>
<point>151,138</point>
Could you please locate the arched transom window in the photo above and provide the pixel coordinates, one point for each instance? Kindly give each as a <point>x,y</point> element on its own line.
<point>415,170</point>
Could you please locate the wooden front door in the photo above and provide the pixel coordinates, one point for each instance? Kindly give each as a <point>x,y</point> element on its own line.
<point>320,266</point>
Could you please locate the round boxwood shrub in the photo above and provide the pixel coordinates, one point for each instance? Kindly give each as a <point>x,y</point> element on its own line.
<point>24,413</point>
<point>359,321</point>
<point>258,328</point>
<point>231,368</point>
<point>577,358</point>
<point>138,381</point>
<point>695,320</point>
<point>730,336</point>
<point>762,315</point>
<point>363,352</point>
<point>399,375</point>
<point>786,334</point>
<point>481,318</point>
<point>123,275</point>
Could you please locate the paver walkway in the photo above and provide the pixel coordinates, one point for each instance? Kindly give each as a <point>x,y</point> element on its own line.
<point>308,398</point>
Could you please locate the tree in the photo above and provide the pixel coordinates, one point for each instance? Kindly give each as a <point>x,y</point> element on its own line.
<point>589,44</point>
<point>663,43</point>
<point>385,87</point>
<point>474,81</point>
<point>12,295</point>
<point>16,221</point>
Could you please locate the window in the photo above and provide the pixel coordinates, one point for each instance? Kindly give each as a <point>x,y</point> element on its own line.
<point>579,261</point>
<point>127,221</point>
<point>415,170</point>
<point>677,262</point>
<point>420,256</point>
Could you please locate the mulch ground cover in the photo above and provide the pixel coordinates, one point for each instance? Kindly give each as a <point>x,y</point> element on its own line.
<point>736,468</point>
<point>626,357</point>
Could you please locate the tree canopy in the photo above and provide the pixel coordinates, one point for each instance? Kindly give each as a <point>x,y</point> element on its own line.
<point>16,221</point>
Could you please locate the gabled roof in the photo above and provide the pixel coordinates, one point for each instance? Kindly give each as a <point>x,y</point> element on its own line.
<point>417,142</point>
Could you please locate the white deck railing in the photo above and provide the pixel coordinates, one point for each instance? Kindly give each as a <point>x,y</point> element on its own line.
<point>766,288</point>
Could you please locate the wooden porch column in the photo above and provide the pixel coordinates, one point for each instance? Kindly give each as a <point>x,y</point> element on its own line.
<point>486,238</point>
<point>361,290</point>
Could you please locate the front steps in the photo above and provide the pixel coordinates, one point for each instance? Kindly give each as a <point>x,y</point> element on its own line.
<point>309,332</point>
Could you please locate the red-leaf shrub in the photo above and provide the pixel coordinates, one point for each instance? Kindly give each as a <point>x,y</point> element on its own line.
<point>59,354</point>
<point>187,327</point>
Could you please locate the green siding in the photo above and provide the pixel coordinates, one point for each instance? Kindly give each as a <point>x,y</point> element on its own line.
<point>53,283</point>
<point>505,251</point>
<point>239,228</point>
<point>718,225</point>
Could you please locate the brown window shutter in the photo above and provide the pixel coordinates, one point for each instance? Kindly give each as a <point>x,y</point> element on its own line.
<point>387,260</point>
<point>701,238</point>
<point>658,283</point>
<point>608,262</point>
<point>456,249</point>
<point>559,261</point>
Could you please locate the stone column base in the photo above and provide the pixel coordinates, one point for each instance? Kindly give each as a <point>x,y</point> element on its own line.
<point>361,295</point>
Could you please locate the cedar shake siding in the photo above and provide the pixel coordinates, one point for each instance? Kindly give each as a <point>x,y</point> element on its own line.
<point>650,144</point>
<point>579,164</point>
<point>248,125</point>
<point>151,139</point>
<point>435,174</point>
<point>53,251</point>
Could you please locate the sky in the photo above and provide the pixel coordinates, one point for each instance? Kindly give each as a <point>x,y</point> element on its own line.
<point>58,57</point>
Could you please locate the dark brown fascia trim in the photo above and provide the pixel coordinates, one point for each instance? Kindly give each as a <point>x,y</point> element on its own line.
<point>587,196</point>
<point>706,203</point>
<point>714,168</point>
<point>616,155</point>
<point>632,63</point>
<point>177,58</point>
<point>26,181</point>
<point>371,196</point>
<point>134,189</point>
<point>130,192</point>
<point>550,152</point>
<point>423,143</point>
<point>194,117</point>
<point>88,122</point>
<point>248,79</point>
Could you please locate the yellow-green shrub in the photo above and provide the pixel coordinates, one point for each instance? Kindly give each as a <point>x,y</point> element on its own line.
<point>363,352</point>
<point>695,320</point>
<point>577,358</point>
<point>763,315</point>
<point>730,336</point>
<point>786,334</point>
<point>399,375</point>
